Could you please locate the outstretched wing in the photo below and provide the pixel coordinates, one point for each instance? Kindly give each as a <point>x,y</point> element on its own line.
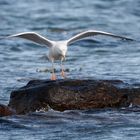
<point>34,37</point>
<point>93,33</point>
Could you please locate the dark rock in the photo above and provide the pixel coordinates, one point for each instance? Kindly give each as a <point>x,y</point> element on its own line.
<point>72,94</point>
<point>6,111</point>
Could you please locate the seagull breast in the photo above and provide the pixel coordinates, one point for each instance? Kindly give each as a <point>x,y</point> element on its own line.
<point>58,51</point>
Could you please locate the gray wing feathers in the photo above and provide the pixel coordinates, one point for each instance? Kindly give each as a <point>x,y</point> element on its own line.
<point>93,33</point>
<point>36,38</point>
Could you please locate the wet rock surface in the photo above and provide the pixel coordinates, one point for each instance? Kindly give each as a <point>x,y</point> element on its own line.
<point>6,111</point>
<point>73,94</point>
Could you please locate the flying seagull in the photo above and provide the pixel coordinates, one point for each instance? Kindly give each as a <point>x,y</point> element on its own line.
<point>58,49</point>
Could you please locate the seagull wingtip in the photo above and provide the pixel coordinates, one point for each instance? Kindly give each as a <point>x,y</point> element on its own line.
<point>131,39</point>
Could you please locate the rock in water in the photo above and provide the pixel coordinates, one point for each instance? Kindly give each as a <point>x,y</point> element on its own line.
<point>6,111</point>
<point>71,94</point>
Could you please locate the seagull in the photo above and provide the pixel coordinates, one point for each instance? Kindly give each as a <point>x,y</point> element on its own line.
<point>58,49</point>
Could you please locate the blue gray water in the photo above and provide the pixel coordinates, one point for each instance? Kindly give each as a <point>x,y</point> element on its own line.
<point>99,58</point>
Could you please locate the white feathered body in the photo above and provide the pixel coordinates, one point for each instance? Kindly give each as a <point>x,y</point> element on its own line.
<point>58,51</point>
